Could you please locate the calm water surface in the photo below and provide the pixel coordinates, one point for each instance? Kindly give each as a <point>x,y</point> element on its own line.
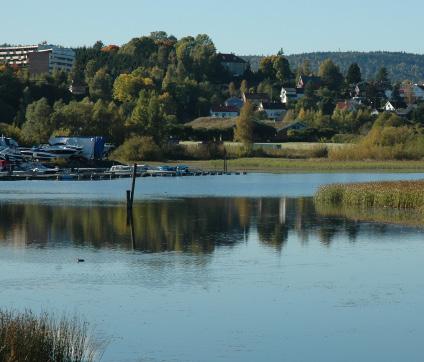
<point>215,269</point>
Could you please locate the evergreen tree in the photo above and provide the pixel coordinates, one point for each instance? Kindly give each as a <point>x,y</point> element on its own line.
<point>354,75</point>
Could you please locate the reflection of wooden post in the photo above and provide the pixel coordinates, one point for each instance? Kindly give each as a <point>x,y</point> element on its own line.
<point>225,160</point>
<point>128,201</point>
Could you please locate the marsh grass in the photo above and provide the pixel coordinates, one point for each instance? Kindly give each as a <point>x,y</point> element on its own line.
<point>403,195</point>
<point>29,337</point>
<point>381,215</point>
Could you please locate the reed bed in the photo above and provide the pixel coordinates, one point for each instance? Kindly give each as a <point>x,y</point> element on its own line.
<point>28,337</point>
<point>407,195</point>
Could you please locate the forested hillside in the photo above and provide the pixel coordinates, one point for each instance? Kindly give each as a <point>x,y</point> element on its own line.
<point>401,66</point>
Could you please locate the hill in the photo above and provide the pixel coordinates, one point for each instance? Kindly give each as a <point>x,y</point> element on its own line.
<point>401,66</point>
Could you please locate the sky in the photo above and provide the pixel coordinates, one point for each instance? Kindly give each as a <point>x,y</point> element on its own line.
<point>244,27</point>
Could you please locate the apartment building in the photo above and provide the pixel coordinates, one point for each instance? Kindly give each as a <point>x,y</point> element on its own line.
<point>42,58</point>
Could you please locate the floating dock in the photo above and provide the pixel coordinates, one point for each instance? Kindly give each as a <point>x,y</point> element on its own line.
<point>101,174</point>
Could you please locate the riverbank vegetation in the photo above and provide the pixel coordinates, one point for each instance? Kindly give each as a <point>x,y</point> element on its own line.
<point>402,195</point>
<point>28,337</point>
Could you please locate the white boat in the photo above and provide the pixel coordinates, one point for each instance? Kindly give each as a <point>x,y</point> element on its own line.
<point>9,149</point>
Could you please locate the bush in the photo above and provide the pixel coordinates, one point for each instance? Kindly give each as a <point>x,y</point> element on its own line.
<point>26,337</point>
<point>136,149</point>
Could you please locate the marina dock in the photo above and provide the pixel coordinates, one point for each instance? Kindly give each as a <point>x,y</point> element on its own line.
<point>104,174</point>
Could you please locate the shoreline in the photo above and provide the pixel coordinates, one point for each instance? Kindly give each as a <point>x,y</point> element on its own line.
<point>279,165</point>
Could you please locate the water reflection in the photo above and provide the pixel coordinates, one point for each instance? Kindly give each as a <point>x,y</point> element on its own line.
<point>196,225</point>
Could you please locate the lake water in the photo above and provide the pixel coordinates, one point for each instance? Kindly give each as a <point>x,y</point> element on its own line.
<point>230,268</point>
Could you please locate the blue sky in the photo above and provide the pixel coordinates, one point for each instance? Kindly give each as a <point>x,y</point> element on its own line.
<point>244,27</point>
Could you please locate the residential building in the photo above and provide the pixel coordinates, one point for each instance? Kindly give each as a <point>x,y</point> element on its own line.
<point>349,106</point>
<point>234,64</point>
<point>16,55</point>
<point>273,110</point>
<point>256,98</point>
<point>38,59</point>
<point>291,94</point>
<point>293,126</point>
<point>224,112</point>
<point>304,80</point>
<point>234,102</point>
<point>393,106</point>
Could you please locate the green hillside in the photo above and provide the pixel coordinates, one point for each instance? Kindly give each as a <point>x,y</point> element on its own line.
<point>400,65</point>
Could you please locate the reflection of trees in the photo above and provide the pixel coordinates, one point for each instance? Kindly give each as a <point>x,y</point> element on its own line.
<point>191,225</point>
<point>195,225</point>
<point>271,222</point>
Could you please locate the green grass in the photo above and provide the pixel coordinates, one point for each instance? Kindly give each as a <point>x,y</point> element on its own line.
<point>401,195</point>
<point>310,165</point>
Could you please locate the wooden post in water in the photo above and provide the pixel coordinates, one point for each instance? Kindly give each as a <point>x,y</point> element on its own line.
<point>133,184</point>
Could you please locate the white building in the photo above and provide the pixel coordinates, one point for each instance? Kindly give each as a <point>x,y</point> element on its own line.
<point>291,94</point>
<point>42,58</point>
<point>273,110</point>
<point>16,55</point>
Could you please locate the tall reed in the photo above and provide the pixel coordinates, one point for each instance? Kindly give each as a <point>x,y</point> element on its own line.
<point>397,195</point>
<point>28,337</point>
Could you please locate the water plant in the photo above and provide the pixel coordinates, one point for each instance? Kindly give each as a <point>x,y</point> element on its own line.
<point>25,336</point>
<point>407,195</point>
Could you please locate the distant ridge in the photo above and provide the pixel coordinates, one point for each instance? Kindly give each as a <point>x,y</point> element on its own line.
<point>401,65</point>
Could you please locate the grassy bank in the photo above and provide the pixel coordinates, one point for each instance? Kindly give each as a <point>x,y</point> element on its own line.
<point>402,195</point>
<point>27,337</point>
<point>309,165</point>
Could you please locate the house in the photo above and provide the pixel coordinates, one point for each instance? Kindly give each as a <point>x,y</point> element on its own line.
<point>256,98</point>
<point>273,110</point>
<point>412,93</point>
<point>77,89</point>
<point>304,80</point>
<point>224,112</point>
<point>349,106</point>
<point>291,94</point>
<point>234,64</point>
<point>393,106</point>
<point>293,126</point>
<point>418,91</point>
<point>234,102</point>
<point>361,90</point>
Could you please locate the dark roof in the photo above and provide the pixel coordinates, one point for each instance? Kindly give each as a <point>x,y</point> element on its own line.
<point>225,109</point>
<point>258,96</point>
<point>310,79</point>
<point>295,124</point>
<point>230,58</point>
<point>273,105</point>
<point>398,104</point>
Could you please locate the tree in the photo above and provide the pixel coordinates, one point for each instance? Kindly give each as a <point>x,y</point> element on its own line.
<point>282,69</point>
<point>353,75</point>
<point>330,75</point>
<point>244,125</point>
<point>127,86</point>
<point>232,90</point>
<point>244,87</point>
<point>382,76</point>
<point>100,87</point>
<point>38,126</point>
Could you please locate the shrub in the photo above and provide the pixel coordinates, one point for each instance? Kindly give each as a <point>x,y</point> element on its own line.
<point>27,337</point>
<point>138,148</point>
